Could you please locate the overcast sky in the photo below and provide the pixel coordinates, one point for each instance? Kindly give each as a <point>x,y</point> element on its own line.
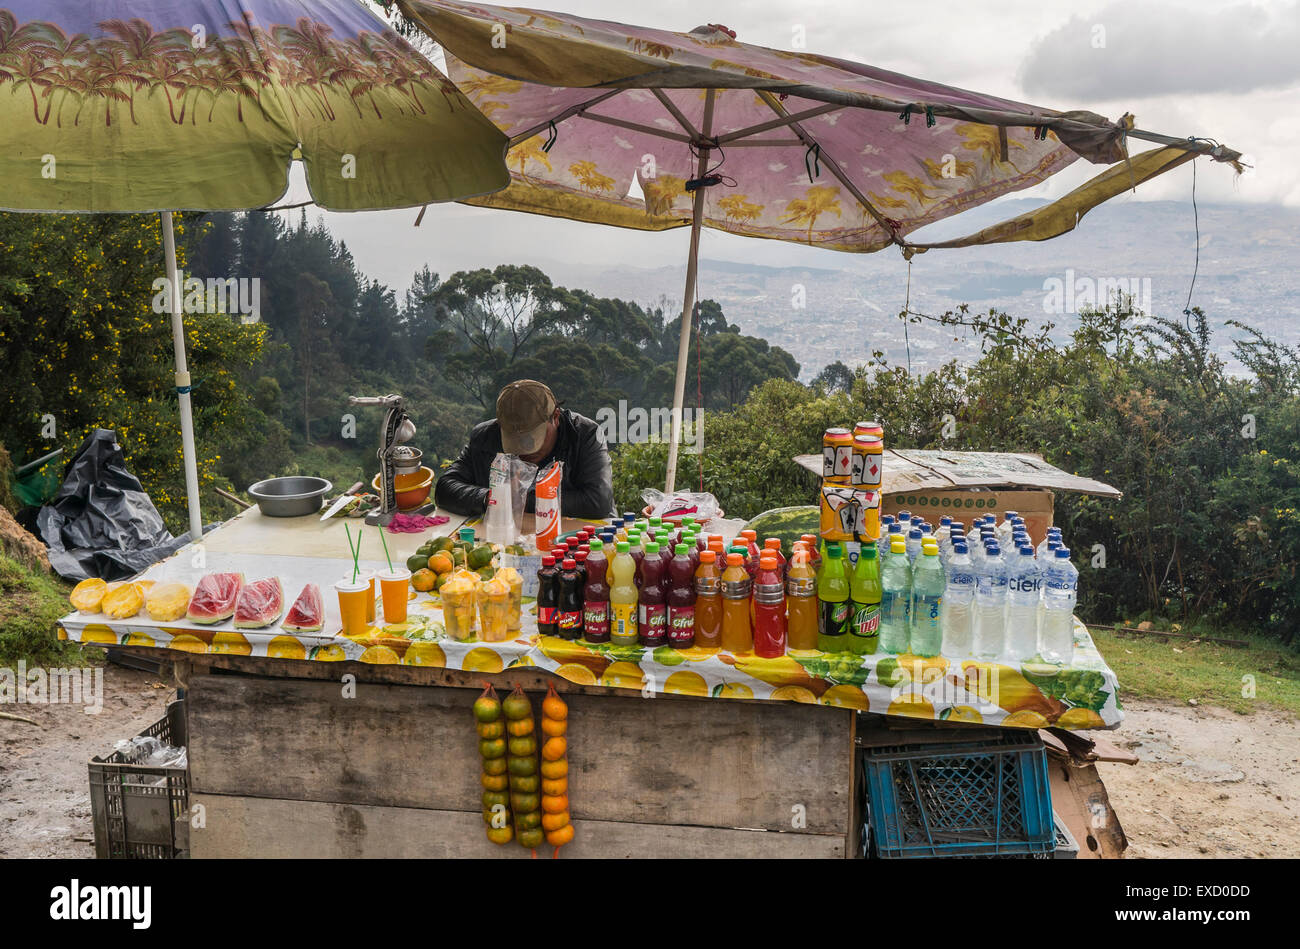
<point>1228,71</point>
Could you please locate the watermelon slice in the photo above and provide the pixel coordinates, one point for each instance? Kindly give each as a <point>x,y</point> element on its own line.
<point>214,598</point>
<point>307,615</point>
<point>260,604</point>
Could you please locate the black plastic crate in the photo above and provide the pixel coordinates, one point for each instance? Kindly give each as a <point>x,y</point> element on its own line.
<point>139,811</point>
<point>978,798</point>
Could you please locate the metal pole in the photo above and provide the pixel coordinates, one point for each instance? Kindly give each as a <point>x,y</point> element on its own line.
<point>182,381</point>
<point>688,303</point>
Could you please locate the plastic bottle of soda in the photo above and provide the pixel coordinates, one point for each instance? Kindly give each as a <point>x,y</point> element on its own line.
<point>801,599</point>
<point>595,609</point>
<point>708,602</point>
<point>769,609</point>
<point>773,544</point>
<point>750,540</point>
<point>637,551</point>
<point>811,541</point>
<point>580,561</point>
<point>737,635</point>
<point>652,607</point>
<point>570,601</point>
<point>927,602</point>
<point>833,594</point>
<point>681,599</point>
<point>864,591</point>
<point>548,597</point>
<point>622,598</point>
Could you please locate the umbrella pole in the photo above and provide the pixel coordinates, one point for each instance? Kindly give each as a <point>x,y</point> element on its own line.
<point>688,307</point>
<point>182,380</point>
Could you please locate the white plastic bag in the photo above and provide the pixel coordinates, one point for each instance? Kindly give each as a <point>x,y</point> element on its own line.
<point>680,504</point>
<point>509,479</point>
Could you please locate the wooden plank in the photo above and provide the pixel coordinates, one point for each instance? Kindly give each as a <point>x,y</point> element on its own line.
<point>241,827</point>
<point>699,762</point>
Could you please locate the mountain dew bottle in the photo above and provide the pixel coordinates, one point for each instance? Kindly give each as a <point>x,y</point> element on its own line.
<point>864,591</point>
<point>833,595</point>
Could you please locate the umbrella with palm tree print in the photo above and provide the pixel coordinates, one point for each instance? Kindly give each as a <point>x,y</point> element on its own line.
<point>781,144</point>
<point>162,105</point>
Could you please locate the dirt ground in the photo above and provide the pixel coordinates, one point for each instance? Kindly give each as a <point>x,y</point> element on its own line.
<point>1211,783</point>
<point>44,787</point>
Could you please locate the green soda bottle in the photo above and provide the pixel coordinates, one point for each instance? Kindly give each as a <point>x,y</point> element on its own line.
<point>864,591</point>
<point>833,597</point>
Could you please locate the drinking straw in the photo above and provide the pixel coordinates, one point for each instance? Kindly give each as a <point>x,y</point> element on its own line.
<point>353,550</point>
<point>387,556</point>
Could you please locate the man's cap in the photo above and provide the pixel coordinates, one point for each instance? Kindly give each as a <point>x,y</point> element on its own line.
<point>523,410</point>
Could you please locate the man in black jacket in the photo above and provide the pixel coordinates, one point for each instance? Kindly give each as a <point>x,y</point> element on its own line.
<point>530,424</point>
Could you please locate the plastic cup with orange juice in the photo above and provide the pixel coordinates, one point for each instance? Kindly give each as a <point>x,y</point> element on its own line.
<point>352,604</point>
<point>394,587</point>
<point>368,577</point>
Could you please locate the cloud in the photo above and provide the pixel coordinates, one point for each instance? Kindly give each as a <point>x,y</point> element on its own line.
<point>1128,51</point>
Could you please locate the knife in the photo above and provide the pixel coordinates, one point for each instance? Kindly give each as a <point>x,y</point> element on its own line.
<point>342,500</point>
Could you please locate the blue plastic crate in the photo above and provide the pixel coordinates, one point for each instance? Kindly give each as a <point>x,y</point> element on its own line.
<point>980,798</point>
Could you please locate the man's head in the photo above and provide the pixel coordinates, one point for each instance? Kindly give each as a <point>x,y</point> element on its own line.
<point>529,419</point>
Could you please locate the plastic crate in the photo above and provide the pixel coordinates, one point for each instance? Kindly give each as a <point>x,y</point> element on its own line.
<point>981,798</point>
<point>139,811</point>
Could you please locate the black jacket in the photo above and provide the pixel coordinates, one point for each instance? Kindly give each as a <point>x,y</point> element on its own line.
<point>587,489</point>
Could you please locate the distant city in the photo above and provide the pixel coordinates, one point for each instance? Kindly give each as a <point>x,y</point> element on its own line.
<point>1249,270</point>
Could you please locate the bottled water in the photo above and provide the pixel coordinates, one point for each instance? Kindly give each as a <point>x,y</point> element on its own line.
<point>1053,534</point>
<point>1060,593</point>
<point>904,522</point>
<point>1022,604</point>
<point>882,545</point>
<point>943,533</point>
<point>990,605</point>
<point>958,603</point>
<point>927,602</point>
<point>895,599</point>
<point>913,545</point>
<point>1004,529</point>
<point>978,552</point>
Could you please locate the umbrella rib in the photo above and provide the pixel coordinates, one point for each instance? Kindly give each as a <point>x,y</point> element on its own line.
<point>787,120</point>
<point>833,167</point>
<point>571,111</point>
<point>677,114</point>
<point>636,127</point>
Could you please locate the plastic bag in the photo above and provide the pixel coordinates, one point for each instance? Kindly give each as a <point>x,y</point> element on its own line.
<point>547,506</point>
<point>508,481</point>
<point>102,523</point>
<point>681,504</point>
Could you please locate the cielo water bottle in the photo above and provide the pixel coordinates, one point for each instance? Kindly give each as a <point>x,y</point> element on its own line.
<point>990,605</point>
<point>958,603</point>
<point>1022,604</point>
<point>1060,593</point>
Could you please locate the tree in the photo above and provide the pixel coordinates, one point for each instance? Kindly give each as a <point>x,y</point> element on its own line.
<point>836,377</point>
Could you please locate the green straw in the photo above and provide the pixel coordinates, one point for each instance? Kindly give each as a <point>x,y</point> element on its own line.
<point>387,556</point>
<point>355,551</point>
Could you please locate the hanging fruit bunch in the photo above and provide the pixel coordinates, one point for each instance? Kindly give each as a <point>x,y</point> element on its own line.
<point>495,778</point>
<point>555,770</point>
<point>525,801</point>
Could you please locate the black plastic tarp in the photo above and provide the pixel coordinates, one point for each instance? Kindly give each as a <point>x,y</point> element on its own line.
<point>102,523</point>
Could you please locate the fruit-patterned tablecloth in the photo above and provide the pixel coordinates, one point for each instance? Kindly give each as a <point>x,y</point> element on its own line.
<point>954,689</point>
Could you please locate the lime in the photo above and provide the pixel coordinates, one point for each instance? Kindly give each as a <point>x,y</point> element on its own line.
<point>523,746</point>
<point>487,709</point>
<point>492,748</point>
<point>479,557</point>
<point>527,783</point>
<point>532,838</point>
<point>491,729</point>
<point>523,767</point>
<point>522,803</point>
<point>416,562</point>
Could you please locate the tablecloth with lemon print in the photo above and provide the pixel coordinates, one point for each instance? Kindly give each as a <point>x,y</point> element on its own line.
<point>941,688</point>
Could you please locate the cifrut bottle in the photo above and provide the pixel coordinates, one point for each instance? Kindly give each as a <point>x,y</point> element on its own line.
<point>737,634</point>
<point>623,599</point>
<point>833,594</point>
<point>595,596</point>
<point>708,602</point>
<point>801,606</point>
<point>864,592</point>
<point>652,605</point>
<point>681,599</point>
<point>769,609</point>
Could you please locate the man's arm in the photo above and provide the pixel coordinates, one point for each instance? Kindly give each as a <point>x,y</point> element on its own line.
<point>594,481</point>
<point>457,490</point>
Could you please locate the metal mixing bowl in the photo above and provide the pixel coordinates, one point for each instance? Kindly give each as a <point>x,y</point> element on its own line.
<point>290,497</point>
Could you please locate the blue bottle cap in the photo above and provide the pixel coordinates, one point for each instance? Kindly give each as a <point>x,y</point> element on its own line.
<point>959,547</point>
<point>1062,553</point>
<point>914,533</point>
<point>945,521</point>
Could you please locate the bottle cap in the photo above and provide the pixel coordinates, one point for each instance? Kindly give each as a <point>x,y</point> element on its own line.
<point>708,556</point>
<point>897,545</point>
<point>927,529</point>
<point>945,521</point>
<point>886,518</point>
<point>868,551</point>
<point>586,548</point>
<point>569,563</point>
<point>681,550</point>
<point>904,515</point>
<point>767,563</point>
<point>772,543</point>
<point>651,548</point>
<point>895,528</point>
<point>1026,550</point>
<point>548,560</point>
<point>834,551</point>
<point>580,556</point>
<point>929,551</point>
<point>738,550</point>
<point>597,545</point>
<point>749,535</point>
<point>914,534</point>
<point>622,547</point>
<point>734,560</point>
<point>810,538</point>
<point>1062,553</point>
<point>959,547</point>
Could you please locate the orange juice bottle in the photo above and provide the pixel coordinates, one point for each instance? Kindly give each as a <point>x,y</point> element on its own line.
<point>708,602</point>
<point>801,600</point>
<point>737,633</point>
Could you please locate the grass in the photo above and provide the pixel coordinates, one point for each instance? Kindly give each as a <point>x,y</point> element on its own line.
<point>30,604</point>
<point>1210,673</point>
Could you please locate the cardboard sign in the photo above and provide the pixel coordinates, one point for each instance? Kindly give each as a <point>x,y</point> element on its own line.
<point>849,513</point>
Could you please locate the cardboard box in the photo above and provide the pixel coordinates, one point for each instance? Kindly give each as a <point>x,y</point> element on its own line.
<point>1034,505</point>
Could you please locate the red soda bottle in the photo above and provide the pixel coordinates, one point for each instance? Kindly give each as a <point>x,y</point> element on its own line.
<point>548,598</point>
<point>595,611</point>
<point>570,601</point>
<point>773,545</point>
<point>769,609</point>
<point>681,600</point>
<point>580,561</point>
<point>652,607</point>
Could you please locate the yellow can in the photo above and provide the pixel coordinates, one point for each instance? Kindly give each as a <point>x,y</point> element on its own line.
<point>837,456</point>
<point>868,458</point>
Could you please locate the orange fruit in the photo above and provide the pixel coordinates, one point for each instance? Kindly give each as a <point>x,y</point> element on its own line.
<point>424,579</point>
<point>554,749</point>
<point>555,805</point>
<point>558,838</point>
<point>552,822</point>
<point>554,728</point>
<point>553,707</point>
<point>555,786</point>
<point>501,835</point>
<point>520,727</point>
<point>495,782</point>
<point>555,769</point>
<point>441,563</point>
